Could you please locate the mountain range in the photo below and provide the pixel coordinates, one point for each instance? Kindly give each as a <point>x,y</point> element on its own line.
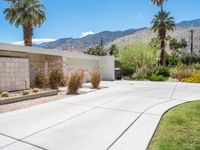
<point>124,37</point>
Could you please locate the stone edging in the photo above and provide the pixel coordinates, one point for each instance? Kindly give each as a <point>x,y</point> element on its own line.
<point>28,97</point>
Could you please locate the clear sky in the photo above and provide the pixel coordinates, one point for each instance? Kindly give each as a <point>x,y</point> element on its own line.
<point>70,18</point>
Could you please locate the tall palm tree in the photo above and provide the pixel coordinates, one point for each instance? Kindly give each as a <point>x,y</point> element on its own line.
<point>158,3</point>
<point>25,13</point>
<point>161,23</point>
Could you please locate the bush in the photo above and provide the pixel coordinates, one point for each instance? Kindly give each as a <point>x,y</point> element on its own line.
<point>196,66</point>
<point>25,92</point>
<point>40,80</point>
<point>195,78</point>
<point>159,74</point>
<point>135,56</point>
<point>35,90</point>
<point>95,79</point>
<point>55,78</point>
<point>189,59</point>
<point>140,75</point>
<point>181,72</point>
<point>4,94</point>
<point>172,60</point>
<point>74,83</point>
<point>155,77</point>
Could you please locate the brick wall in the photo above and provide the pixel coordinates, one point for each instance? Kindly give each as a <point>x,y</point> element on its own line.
<point>13,73</point>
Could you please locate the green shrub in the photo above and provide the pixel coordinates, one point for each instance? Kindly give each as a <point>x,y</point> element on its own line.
<point>159,74</point>
<point>140,75</point>
<point>40,80</point>
<point>195,78</point>
<point>189,59</point>
<point>155,77</point>
<point>74,83</point>
<point>4,94</point>
<point>95,79</point>
<point>172,60</point>
<point>56,76</point>
<point>35,90</point>
<point>196,66</point>
<point>25,92</point>
<point>181,72</point>
<point>135,56</point>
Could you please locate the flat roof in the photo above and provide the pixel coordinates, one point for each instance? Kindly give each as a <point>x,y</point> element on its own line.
<point>42,51</point>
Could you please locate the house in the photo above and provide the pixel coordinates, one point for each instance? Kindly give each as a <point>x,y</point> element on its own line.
<point>18,63</point>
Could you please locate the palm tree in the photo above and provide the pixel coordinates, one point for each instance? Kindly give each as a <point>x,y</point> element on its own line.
<point>25,13</point>
<point>158,3</point>
<point>161,23</point>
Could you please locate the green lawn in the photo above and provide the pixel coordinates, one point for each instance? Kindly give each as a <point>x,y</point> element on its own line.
<point>179,129</point>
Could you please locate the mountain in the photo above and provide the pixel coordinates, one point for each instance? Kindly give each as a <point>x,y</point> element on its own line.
<point>123,37</point>
<point>191,23</point>
<point>81,44</point>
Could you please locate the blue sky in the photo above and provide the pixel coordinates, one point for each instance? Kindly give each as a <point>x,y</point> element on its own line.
<point>70,18</point>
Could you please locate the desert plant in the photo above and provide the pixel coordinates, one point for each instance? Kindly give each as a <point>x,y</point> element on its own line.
<point>136,56</point>
<point>95,78</point>
<point>35,90</point>
<point>172,60</point>
<point>28,14</point>
<point>181,72</point>
<point>159,74</point>
<point>196,66</point>
<point>140,74</point>
<point>25,92</point>
<point>40,80</point>
<point>4,94</point>
<point>189,59</point>
<point>74,83</point>
<point>195,78</point>
<point>56,76</point>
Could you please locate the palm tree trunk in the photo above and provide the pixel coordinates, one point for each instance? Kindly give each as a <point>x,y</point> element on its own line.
<point>28,33</point>
<point>163,53</point>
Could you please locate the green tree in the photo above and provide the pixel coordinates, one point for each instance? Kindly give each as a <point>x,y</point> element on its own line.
<point>161,23</point>
<point>96,51</point>
<point>113,50</point>
<point>176,45</point>
<point>158,3</point>
<point>25,13</point>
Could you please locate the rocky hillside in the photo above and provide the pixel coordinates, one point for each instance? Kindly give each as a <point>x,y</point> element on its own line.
<point>123,37</point>
<point>80,44</point>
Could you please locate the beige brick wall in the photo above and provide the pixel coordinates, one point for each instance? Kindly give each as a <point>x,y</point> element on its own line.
<point>13,73</point>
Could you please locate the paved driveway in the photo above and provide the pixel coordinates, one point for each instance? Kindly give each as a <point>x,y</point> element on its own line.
<point>121,117</point>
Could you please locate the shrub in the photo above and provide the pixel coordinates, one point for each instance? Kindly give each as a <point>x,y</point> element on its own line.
<point>127,70</point>
<point>40,80</point>
<point>137,55</point>
<point>196,66</point>
<point>181,72</point>
<point>189,59</point>
<point>74,83</point>
<point>172,60</point>
<point>195,78</point>
<point>140,74</point>
<point>95,79</point>
<point>55,78</point>
<point>25,92</point>
<point>159,74</point>
<point>4,94</point>
<point>155,77</point>
<point>35,90</point>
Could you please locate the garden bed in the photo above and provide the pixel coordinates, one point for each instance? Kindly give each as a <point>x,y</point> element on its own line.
<point>16,97</point>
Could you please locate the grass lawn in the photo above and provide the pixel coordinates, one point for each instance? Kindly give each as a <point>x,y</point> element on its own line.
<point>179,129</point>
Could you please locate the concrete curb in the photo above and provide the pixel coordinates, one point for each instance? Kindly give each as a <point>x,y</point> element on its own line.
<point>28,97</point>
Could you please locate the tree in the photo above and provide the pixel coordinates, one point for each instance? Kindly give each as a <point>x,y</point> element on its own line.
<point>176,45</point>
<point>161,23</point>
<point>96,51</point>
<point>25,13</point>
<point>113,50</point>
<point>159,3</point>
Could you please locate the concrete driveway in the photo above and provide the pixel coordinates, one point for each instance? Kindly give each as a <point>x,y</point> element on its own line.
<point>121,117</point>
